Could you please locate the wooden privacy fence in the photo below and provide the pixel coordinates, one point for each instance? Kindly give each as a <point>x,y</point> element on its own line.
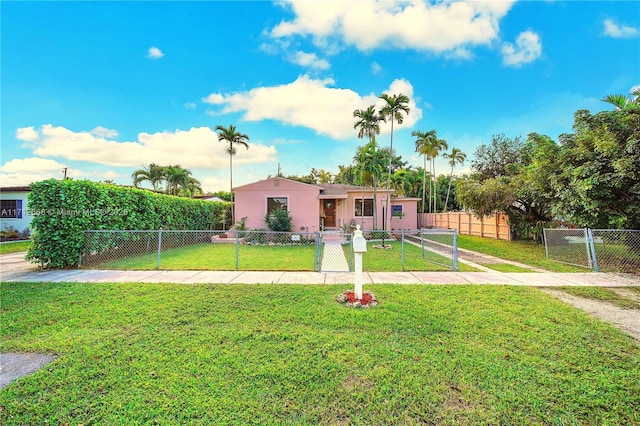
<point>491,226</point>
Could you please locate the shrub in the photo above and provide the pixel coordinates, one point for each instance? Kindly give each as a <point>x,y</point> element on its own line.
<point>279,220</point>
<point>63,209</point>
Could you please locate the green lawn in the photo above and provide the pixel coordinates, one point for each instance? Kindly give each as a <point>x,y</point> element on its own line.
<point>222,257</point>
<point>527,252</point>
<point>8,248</point>
<point>280,258</point>
<point>414,259</point>
<point>265,354</point>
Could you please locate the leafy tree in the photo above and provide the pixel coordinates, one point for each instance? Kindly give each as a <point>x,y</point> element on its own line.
<point>321,176</point>
<point>502,157</point>
<point>346,175</point>
<point>309,179</point>
<point>456,156</point>
<point>508,176</point>
<point>232,137</point>
<point>598,183</point>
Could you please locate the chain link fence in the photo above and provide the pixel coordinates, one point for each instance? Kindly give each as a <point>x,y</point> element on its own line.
<point>261,250</point>
<point>606,250</point>
<point>433,247</point>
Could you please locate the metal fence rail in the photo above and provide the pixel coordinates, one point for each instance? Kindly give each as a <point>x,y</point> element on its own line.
<point>607,250</point>
<point>261,250</point>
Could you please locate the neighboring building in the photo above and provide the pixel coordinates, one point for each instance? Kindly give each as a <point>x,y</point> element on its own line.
<point>321,206</point>
<point>209,198</point>
<point>13,208</point>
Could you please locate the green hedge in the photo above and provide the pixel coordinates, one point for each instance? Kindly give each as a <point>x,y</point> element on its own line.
<point>63,209</point>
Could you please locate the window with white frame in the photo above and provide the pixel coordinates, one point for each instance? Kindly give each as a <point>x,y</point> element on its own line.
<point>277,203</point>
<point>368,207</point>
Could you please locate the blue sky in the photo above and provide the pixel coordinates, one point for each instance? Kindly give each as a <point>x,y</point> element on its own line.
<point>104,88</point>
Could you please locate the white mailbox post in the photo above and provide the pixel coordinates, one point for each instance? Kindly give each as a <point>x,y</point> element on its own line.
<point>359,247</point>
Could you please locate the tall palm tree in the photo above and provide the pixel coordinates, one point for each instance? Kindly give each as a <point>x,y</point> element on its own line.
<point>368,122</point>
<point>425,146</point>
<point>456,156</point>
<point>154,174</point>
<point>622,102</point>
<point>232,137</point>
<point>368,168</point>
<point>440,145</point>
<point>394,108</point>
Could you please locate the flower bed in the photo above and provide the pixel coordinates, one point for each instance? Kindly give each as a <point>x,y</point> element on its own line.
<point>348,298</point>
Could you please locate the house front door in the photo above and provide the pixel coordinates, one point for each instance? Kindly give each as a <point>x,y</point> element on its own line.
<point>329,208</point>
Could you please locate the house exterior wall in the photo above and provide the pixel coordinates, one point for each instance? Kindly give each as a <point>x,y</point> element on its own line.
<point>23,221</point>
<point>303,206</point>
<point>409,220</point>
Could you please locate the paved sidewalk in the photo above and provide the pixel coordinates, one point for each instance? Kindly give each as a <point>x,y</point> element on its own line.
<point>14,268</point>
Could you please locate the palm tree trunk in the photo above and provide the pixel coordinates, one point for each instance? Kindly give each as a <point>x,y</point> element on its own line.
<point>446,201</point>
<point>424,181</point>
<point>375,203</point>
<point>362,206</point>
<point>386,211</point>
<point>435,206</point>
<point>231,187</point>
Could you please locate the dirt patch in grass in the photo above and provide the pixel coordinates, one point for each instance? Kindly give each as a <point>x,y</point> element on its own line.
<point>627,320</point>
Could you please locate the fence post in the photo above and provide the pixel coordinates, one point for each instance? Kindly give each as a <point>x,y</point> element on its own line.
<point>159,247</point>
<point>237,250</point>
<point>402,250</point>
<point>587,248</point>
<point>84,244</point>
<point>592,250</point>
<point>454,257</point>
<point>546,246</point>
<point>316,266</point>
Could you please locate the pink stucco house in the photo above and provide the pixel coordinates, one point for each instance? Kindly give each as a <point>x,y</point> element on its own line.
<point>322,206</point>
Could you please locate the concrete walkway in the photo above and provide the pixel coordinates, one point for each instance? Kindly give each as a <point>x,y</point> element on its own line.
<point>14,268</point>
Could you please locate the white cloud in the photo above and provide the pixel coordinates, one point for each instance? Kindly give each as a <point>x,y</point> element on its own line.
<point>27,134</point>
<point>310,60</point>
<point>190,105</point>
<point>614,30</point>
<point>310,103</point>
<point>376,68</point>
<point>154,53</point>
<point>527,49</point>
<point>193,148</point>
<point>415,24</point>
<point>110,174</point>
<point>23,171</point>
<point>104,132</point>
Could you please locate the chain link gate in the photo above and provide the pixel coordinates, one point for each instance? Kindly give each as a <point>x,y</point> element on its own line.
<point>607,250</point>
